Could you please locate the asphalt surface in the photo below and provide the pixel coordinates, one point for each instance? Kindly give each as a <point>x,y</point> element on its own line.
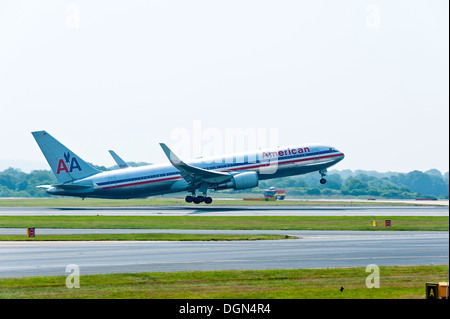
<point>230,211</point>
<point>312,250</point>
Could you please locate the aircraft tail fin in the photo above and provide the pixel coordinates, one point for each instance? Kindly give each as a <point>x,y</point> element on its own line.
<point>65,164</point>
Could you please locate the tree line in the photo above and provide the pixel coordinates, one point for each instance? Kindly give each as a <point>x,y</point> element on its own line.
<point>367,184</point>
<point>346,183</point>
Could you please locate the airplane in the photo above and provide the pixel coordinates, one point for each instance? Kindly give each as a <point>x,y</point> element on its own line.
<point>235,171</point>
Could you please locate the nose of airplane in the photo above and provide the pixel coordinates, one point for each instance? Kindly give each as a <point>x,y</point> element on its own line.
<point>340,156</point>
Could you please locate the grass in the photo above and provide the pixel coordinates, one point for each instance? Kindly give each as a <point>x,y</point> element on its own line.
<point>396,282</point>
<point>95,202</point>
<point>146,237</point>
<point>403,223</point>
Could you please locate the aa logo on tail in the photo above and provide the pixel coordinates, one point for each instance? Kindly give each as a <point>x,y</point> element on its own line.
<point>73,164</point>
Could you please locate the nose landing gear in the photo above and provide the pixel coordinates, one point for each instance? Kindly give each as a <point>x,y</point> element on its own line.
<point>323,173</point>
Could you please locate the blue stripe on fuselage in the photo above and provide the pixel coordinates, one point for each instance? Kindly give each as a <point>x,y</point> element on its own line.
<point>227,166</point>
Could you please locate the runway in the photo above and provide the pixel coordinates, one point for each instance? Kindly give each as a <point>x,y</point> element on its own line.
<point>243,210</point>
<point>312,250</point>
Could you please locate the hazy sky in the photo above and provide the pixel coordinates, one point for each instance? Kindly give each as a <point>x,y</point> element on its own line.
<point>370,78</point>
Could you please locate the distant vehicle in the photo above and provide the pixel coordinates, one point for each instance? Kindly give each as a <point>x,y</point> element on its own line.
<point>275,193</point>
<point>235,171</point>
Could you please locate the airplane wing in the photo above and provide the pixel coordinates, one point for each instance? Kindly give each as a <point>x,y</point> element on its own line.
<point>120,162</point>
<point>192,174</point>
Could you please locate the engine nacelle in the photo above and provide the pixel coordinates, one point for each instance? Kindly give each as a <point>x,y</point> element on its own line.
<point>242,181</point>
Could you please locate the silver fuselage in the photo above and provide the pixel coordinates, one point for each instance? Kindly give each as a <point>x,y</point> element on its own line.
<point>158,179</point>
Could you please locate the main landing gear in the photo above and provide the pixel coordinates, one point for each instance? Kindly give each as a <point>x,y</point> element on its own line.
<point>198,199</point>
<point>201,198</point>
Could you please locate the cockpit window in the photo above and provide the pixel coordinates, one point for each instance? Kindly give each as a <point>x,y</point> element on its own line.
<point>332,149</point>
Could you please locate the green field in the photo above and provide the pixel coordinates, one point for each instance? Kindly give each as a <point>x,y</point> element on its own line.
<point>230,222</point>
<point>146,237</point>
<point>396,282</point>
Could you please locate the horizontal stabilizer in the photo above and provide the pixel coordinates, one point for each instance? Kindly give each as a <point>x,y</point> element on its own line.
<point>44,186</point>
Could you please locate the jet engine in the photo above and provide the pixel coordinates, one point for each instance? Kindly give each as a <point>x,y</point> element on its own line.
<point>241,181</point>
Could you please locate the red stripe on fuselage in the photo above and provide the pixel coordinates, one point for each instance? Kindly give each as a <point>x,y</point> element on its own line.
<point>233,169</point>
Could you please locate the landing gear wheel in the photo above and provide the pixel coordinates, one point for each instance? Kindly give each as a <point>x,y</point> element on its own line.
<point>197,200</point>
<point>189,199</point>
<point>208,200</point>
<point>323,181</point>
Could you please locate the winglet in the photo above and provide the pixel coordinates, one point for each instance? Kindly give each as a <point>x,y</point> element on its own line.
<point>120,162</point>
<point>170,155</point>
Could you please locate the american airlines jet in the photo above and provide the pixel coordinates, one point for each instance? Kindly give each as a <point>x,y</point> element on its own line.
<point>235,171</point>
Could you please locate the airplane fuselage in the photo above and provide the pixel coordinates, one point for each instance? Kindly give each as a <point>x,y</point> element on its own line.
<point>158,179</point>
